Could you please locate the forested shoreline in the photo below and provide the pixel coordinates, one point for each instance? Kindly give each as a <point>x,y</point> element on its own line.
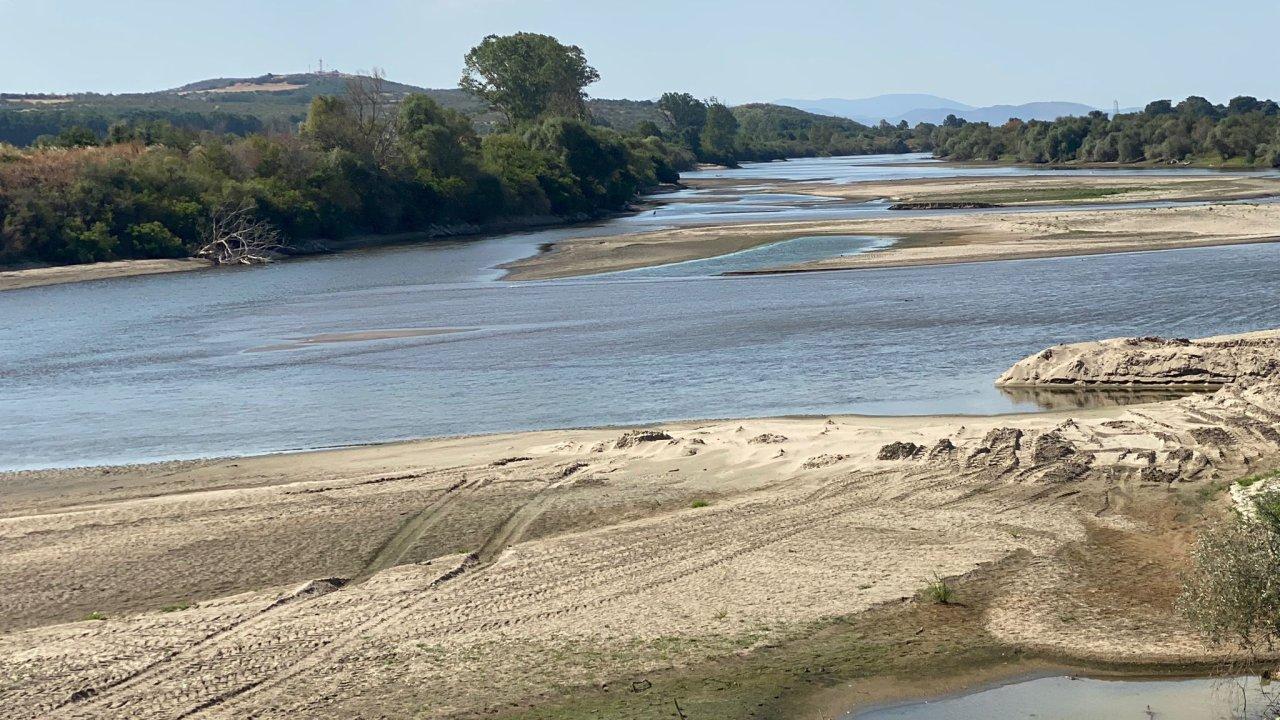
<point>360,163</point>
<point>1243,133</point>
<point>375,158</point>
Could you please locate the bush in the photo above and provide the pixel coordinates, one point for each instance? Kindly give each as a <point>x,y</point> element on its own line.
<point>1232,592</point>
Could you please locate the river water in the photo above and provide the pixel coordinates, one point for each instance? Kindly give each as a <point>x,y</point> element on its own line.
<point>192,365</point>
<point>1073,698</point>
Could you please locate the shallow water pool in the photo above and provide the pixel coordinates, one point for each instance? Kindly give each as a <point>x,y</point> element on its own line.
<point>1073,698</point>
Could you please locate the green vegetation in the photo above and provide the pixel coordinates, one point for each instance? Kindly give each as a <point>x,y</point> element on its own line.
<point>1251,480</point>
<point>1232,593</point>
<point>699,504</point>
<point>178,607</point>
<point>939,592</point>
<point>365,161</point>
<point>759,131</point>
<point>1243,133</point>
<point>527,76</point>
<point>95,615</point>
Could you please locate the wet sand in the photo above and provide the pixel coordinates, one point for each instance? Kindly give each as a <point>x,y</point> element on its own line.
<point>926,240</point>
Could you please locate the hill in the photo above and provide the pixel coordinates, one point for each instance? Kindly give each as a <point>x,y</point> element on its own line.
<point>269,102</point>
<point>870,111</point>
<point>998,114</point>
<point>921,108</point>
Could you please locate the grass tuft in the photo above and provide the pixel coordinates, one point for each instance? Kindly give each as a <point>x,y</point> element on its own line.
<point>1245,482</point>
<point>939,592</point>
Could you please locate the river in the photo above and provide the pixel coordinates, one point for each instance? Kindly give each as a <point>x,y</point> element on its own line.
<point>218,363</point>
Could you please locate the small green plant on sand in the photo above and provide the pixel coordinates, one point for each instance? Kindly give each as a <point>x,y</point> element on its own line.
<point>699,504</point>
<point>1245,482</point>
<point>95,615</point>
<point>939,592</point>
<point>179,607</point>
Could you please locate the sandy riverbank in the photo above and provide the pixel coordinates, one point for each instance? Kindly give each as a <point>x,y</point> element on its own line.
<point>553,573</point>
<point>927,239</point>
<point>1032,189</point>
<point>35,277</point>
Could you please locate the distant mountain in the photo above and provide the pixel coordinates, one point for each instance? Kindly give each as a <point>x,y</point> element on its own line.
<point>997,114</point>
<point>916,108</point>
<point>869,111</point>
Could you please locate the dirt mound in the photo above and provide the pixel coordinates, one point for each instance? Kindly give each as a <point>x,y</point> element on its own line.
<point>1151,361</point>
<point>635,437</point>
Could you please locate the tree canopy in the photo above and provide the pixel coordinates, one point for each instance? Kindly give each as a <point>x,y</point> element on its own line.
<point>364,161</point>
<point>1246,131</point>
<point>526,76</point>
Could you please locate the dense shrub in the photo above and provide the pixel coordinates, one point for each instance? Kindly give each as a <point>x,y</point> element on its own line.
<point>146,191</point>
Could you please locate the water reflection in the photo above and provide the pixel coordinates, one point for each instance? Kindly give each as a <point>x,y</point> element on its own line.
<point>1072,398</point>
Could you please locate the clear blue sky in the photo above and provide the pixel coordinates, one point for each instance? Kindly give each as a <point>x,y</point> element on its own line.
<point>980,52</point>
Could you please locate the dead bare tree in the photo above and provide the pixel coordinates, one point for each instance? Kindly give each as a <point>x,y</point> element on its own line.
<point>373,110</point>
<point>235,237</point>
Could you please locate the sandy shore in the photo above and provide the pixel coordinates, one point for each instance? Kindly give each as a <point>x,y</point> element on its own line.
<point>1031,190</point>
<point>612,569</point>
<point>927,240</point>
<point>35,277</point>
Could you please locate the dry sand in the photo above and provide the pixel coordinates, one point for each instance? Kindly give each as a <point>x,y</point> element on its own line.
<point>1151,361</point>
<point>927,240</point>
<point>34,277</point>
<point>1106,187</point>
<point>478,576</point>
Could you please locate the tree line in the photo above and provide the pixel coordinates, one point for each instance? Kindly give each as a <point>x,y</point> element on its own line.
<point>1245,132</point>
<point>715,133</point>
<point>359,164</point>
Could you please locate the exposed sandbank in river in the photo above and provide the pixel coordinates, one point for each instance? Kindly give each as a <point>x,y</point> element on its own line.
<point>935,239</point>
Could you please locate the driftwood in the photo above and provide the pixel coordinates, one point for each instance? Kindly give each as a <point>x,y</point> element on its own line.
<point>236,237</point>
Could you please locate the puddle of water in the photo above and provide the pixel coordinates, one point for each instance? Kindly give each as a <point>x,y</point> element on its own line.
<point>1071,698</point>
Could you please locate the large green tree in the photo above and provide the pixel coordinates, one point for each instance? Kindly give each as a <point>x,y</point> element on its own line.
<point>719,134</point>
<point>686,115</point>
<point>526,76</point>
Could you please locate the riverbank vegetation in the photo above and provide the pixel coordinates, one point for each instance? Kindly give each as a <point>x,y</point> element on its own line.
<point>715,133</point>
<point>1243,133</point>
<point>361,163</point>
<point>1232,593</point>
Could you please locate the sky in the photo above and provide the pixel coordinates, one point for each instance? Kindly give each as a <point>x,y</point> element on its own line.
<point>979,52</point>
